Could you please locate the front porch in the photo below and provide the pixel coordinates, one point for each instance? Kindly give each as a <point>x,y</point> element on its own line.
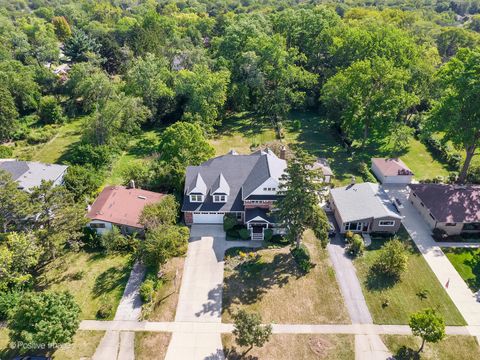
<point>257,221</point>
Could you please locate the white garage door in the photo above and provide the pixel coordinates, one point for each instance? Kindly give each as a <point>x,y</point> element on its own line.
<point>208,218</point>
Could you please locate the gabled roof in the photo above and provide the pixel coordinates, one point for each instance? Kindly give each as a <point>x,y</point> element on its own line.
<point>363,201</point>
<point>122,206</point>
<point>220,186</point>
<point>30,174</point>
<point>198,186</point>
<point>258,214</point>
<point>392,167</point>
<point>239,172</point>
<point>450,203</point>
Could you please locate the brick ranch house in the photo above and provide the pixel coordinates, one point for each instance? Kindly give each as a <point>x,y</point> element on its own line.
<point>452,208</point>
<point>243,185</point>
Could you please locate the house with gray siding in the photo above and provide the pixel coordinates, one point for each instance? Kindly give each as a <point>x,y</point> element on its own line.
<point>30,174</point>
<point>364,208</point>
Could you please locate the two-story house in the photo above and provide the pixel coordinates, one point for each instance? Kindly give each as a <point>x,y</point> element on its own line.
<point>244,185</point>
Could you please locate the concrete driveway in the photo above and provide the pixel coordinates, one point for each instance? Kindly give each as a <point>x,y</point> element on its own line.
<point>200,298</point>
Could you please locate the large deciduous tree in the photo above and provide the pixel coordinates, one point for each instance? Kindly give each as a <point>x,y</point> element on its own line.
<point>44,318</point>
<point>184,143</point>
<point>457,113</point>
<point>8,114</point>
<point>249,331</point>
<point>298,209</point>
<point>164,212</point>
<point>15,207</point>
<point>368,97</point>
<point>203,93</point>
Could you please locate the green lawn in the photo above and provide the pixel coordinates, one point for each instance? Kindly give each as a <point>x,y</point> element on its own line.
<point>295,346</point>
<point>450,348</point>
<point>83,346</point>
<point>402,297</point>
<point>272,282</point>
<point>92,278</point>
<point>243,132</point>
<point>140,148</point>
<point>467,263</point>
<point>52,151</point>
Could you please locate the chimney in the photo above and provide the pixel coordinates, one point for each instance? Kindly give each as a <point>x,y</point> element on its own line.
<point>131,184</point>
<point>283,153</point>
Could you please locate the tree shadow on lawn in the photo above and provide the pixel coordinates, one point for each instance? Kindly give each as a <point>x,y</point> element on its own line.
<point>251,280</point>
<point>247,123</point>
<point>232,354</point>
<point>377,282</point>
<point>110,279</point>
<point>406,353</point>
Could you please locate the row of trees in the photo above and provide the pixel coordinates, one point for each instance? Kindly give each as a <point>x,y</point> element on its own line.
<point>370,71</point>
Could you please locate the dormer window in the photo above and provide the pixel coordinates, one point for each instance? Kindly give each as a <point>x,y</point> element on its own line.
<point>196,198</point>
<point>219,198</point>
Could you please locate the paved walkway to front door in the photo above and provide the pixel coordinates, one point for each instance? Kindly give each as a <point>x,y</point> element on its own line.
<point>200,298</point>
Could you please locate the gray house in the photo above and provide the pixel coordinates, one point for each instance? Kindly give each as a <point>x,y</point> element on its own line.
<point>242,185</point>
<point>364,208</point>
<point>30,174</point>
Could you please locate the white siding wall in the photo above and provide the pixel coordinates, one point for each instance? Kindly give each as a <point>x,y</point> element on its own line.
<point>107,226</point>
<point>270,183</point>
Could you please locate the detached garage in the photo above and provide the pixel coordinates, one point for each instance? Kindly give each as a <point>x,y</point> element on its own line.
<point>208,217</point>
<point>391,171</point>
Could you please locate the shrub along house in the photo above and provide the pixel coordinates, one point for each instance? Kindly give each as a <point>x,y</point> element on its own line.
<point>364,208</point>
<point>245,186</point>
<point>120,206</point>
<point>454,209</point>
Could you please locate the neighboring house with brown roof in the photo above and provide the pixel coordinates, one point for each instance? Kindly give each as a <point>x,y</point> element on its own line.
<point>391,171</point>
<point>453,208</point>
<point>120,206</point>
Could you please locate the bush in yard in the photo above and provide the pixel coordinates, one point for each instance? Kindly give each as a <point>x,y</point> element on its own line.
<point>96,156</point>
<point>429,325</point>
<point>392,259</point>
<point>233,233</point>
<point>302,258</point>
<point>82,181</point>
<point>164,212</point>
<point>356,246</point>
<point>91,239</point>
<point>5,152</point>
<point>44,318</point>
<point>229,222</point>
<point>349,235</point>
<point>163,243</point>
<point>268,234</point>
<point>439,234</point>
<point>113,241</point>
<point>49,111</point>
<point>249,331</point>
<point>105,310</point>
<point>244,234</point>
<point>8,301</point>
<point>147,290</point>
<point>41,135</point>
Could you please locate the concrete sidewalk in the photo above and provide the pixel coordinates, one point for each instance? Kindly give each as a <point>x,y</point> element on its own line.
<point>461,295</point>
<point>117,344</point>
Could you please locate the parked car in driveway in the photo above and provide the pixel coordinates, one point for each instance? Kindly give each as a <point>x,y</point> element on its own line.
<point>331,229</point>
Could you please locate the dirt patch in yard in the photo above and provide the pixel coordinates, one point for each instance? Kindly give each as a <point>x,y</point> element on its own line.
<point>151,345</point>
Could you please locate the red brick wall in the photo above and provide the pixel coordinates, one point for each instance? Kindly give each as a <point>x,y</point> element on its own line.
<point>188,218</point>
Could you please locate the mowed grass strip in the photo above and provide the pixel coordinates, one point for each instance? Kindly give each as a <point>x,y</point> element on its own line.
<point>294,346</point>
<point>83,346</point>
<point>92,278</point>
<point>275,287</point>
<point>393,303</point>
<point>450,348</point>
<point>151,345</point>
<point>467,263</point>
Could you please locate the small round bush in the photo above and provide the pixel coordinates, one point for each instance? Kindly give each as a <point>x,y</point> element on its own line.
<point>105,310</point>
<point>5,152</point>
<point>268,234</point>
<point>147,290</point>
<point>229,221</point>
<point>244,234</point>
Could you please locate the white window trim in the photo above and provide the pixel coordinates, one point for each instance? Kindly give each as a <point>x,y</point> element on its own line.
<point>218,198</point>
<point>391,223</point>
<point>196,198</point>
